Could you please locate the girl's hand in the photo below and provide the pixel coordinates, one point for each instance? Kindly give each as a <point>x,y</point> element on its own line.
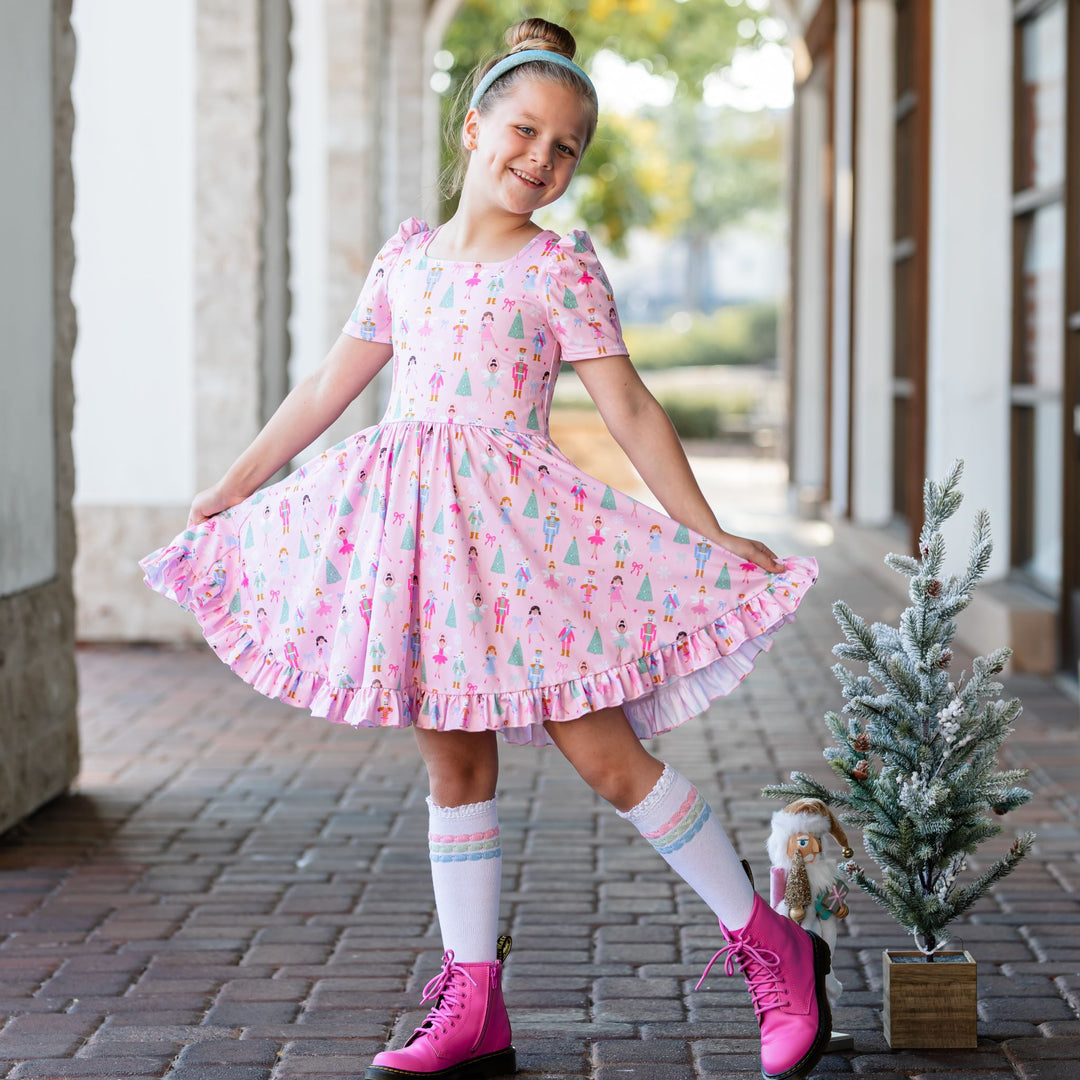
<point>209,502</point>
<point>753,551</point>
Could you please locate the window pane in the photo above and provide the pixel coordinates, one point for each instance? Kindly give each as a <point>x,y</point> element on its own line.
<point>1042,299</point>
<point>1046,525</point>
<point>1041,123</point>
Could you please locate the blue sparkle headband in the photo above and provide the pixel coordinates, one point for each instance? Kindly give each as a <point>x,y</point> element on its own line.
<point>527,56</point>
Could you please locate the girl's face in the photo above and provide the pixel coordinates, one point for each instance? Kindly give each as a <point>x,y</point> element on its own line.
<point>526,147</point>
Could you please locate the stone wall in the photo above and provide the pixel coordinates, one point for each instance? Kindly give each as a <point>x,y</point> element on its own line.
<point>38,688</point>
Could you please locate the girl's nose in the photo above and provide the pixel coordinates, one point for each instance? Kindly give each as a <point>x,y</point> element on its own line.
<point>541,155</point>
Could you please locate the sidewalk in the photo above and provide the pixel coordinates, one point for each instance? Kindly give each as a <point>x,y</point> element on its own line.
<point>237,891</point>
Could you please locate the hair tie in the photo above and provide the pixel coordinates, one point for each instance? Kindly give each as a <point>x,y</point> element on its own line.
<point>527,56</point>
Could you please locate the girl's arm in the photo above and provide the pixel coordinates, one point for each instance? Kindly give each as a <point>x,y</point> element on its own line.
<point>308,410</point>
<point>639,425</point>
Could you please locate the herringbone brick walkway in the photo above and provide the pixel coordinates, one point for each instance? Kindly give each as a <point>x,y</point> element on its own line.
<point>236,891</point>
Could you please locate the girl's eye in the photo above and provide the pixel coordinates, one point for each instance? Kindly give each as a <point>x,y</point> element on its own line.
<point>566,149</point>
<point>526,130</point>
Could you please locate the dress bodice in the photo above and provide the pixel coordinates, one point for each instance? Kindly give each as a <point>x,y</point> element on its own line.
<point>481,343</point>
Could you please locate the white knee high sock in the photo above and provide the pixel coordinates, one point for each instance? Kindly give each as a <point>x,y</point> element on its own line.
<point>680,824</point>
<point>466,866</point>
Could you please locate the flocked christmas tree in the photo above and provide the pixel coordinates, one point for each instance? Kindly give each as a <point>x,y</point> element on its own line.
<point>916,746</point>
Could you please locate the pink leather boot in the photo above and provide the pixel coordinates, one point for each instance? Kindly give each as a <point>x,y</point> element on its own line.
<point>465,1036</point>
<point>785,968</point>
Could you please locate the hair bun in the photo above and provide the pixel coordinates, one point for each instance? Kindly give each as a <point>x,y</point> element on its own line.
<point>541,34</point>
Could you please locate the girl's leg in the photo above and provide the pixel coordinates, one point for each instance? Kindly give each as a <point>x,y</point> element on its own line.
<point>463,839</point>
<point>467,1031</point>
<point>663,805</point>
<point>784,966</point>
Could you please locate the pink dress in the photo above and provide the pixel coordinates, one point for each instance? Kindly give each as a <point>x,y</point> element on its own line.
<point>476,566</point>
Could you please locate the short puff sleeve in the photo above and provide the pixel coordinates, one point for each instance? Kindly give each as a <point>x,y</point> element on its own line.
<point>580,302</point>
<point>372,318</point>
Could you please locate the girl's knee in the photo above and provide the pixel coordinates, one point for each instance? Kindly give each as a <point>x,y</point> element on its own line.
<point>462,767</point>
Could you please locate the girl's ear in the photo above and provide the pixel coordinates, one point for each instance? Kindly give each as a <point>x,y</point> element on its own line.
<point>470,129</point>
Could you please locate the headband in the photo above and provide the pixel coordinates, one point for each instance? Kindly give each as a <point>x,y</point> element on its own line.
<point>527,56</point>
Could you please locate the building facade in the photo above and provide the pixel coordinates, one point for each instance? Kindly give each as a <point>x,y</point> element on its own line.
<point>935,297</point>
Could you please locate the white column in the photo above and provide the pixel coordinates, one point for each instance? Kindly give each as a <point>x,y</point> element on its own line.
<point>872,340</point>
<point>969,325</point>
<point>808,385</point>
<point>228,248</point>
<point>337,118</point>
<point>134,360</point>
<point>843,93</point>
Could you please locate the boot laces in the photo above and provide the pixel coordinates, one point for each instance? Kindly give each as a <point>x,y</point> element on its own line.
<point>447,990</point>
<point>760,968</point>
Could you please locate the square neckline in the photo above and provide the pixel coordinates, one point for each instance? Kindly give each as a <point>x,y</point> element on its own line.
<point>480,262</point>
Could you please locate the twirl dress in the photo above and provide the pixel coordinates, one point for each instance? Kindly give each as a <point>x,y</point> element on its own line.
<point>450,567</point>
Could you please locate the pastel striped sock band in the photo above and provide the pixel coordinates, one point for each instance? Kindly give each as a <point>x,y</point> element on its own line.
<point>464,847</point>
<point>682,826</point>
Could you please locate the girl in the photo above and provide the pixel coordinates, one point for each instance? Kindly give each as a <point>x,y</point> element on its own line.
<point>594,695</point>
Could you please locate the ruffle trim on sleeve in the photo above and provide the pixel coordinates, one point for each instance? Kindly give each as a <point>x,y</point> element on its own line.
<point>659,690</point>
<point>579,297</point>
<point>371,317</point>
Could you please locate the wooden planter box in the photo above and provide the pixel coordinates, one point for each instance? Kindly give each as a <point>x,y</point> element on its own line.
<point>929,1005</point>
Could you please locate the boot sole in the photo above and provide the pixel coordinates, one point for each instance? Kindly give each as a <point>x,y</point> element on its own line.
<point>822,967</point>
<point>501,1063</point>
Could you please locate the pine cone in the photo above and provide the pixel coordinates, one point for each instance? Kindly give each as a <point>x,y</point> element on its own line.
<point>797,893</point>
<point>861,743</point>
<point>934,588</point>
<point>945,659</point>
<point>861,770</point>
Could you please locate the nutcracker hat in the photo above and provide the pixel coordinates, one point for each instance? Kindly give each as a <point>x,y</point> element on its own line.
<point>804,816</point>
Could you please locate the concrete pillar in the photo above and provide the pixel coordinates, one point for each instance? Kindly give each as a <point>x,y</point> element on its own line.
<point>38,688</point>
<point>873,267</point>
<point>970,302</point>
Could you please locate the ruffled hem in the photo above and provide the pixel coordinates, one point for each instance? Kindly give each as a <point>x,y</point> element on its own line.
<point>659,690</point>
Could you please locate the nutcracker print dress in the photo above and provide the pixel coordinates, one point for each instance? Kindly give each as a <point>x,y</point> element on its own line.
<point>450,567</point>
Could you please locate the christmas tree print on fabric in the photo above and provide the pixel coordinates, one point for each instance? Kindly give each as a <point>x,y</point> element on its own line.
<point>572,557</point>
<point>645,592</point>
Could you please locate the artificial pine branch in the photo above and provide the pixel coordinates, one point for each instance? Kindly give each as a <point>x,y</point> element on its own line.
<point>916,747</point>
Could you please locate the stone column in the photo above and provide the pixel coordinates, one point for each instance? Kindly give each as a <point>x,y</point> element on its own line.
<point>228,116</point>
<point>38,688</point>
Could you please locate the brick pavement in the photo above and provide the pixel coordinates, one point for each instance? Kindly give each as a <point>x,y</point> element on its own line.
<point>236,891</point>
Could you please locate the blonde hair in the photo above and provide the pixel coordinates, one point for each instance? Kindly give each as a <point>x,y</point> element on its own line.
<point>527,34</point>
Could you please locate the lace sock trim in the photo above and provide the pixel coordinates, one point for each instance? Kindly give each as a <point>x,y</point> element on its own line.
<point>648,805</point>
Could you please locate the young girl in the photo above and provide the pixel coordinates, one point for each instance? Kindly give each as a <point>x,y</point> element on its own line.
<point>593,689</point>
